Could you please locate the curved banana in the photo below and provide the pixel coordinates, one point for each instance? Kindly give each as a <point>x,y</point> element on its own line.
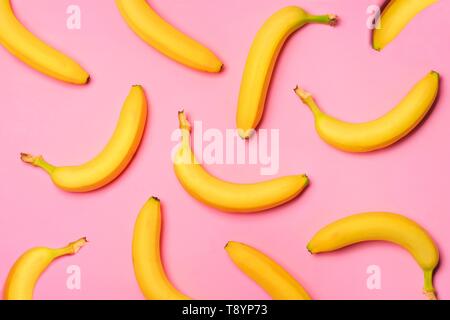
<point>28,268</point>
<point>34,52</point>
<point>276,281</point>
<point>262,59</point>
<point>229,196</point>
<point>394,18</point>
<point>159,34</point>
<point>381,226</point>
<point>114,158</point>
<point>147,263</point>
<point>380,133</point>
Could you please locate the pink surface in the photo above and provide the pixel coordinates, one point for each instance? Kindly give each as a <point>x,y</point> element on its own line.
<point>68,125</point>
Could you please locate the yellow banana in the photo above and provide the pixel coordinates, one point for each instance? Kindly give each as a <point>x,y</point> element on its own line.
<point>381,226</point>
<point>147,263</point>
<point>159,34</point>
<point>276,281</point>
<point>114,158</point>
<point>262,59</point>
<point>229,196</point>
<point>28,268</point>
<point>380,133</point>
<point>34,52</point>
<point>394,18</point>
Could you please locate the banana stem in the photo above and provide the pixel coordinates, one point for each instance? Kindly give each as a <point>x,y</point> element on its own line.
<point>37,162</point>
<point>186,129</point>
<point>184,123</point>
<point>71,248</point>
<point>187,156</point>
<point>330,19</point>
<point>308,100</point>
<point>428,288</point>
<point>430,295</point>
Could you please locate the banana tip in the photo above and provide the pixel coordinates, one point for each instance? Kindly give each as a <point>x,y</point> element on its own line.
<point>155,199</point>
<point>77,245</point>
<point>308,181</point>
<point>184,123</point>
<point>433,72</point>
<point>376,47</point>
<point>301,93</point>
<point>229,244</point>
<point>246,134</point>
<point>431,295</point>
<point>27,158</point>
<point>334,19</point>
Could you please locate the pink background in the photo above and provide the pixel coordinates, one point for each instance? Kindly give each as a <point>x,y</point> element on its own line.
<point>71,124</point>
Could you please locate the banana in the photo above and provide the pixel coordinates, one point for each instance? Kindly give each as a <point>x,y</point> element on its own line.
<point>28,268</point>
<point>394,18</point>
<point>227,196</point>
<point>159,34</point>
<point>381,226</point>
<point>34,52</point>
<point>276,281</point>
<point>262,59</point>
<point>382,132</point>
<point>147,263</point>
<point>114,158</point>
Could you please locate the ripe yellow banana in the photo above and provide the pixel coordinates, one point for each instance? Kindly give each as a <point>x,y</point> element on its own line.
<point>394,18</point>
<point>276,281</point>
<point>227,196</point>
<point>28,268</point>
<point>114,158</point>
<point>34,52</point>
<point>380,133</point>
<point>159,34</point>
<point>262,59</point>
<point>381,226</point>
<point>147,263</point>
